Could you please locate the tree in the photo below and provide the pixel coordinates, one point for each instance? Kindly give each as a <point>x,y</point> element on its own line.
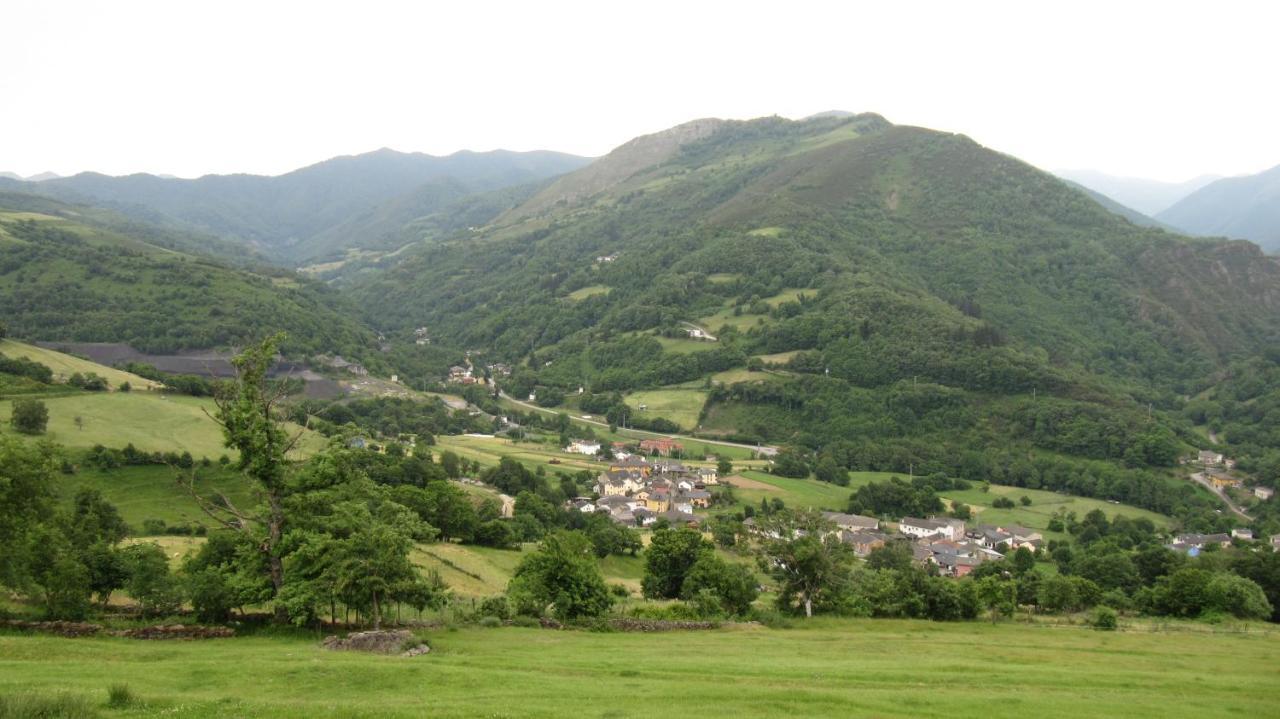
<point>150,582</point>
<point>562,577</point>
<point>999,596</point>
<point>1023,561</point>
<point>449,461</point>
<point>670,556</point>
<point>811,566</point>
<point>1237,596</point>
<point>247,412</point>
<point>731,586</point>
<point>27,473</point>
<point>723,465</point>
<point>30,416</point>
<point>826,470</point>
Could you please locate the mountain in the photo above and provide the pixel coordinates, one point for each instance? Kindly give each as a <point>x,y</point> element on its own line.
<point>40,177</point>
<point>301,215</point>
<point>72,273</point>
<point>1150,197</point>
<point>1114,207</point>
<point>1246,208</point>
<point>914,296</point>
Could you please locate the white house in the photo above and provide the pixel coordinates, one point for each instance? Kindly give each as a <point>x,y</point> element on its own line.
<point>916,527</point>
<point>1264,493</point>
<point>590,448</point>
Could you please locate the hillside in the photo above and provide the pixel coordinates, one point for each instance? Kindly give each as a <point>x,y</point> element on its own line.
<point>930,297</point>
<point>1246,208</point>
<point>65,277</point>
<point>1127,213</point>
<point>316,210</point>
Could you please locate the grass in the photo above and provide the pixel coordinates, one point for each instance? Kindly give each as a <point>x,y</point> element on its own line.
<point>149,420</point>
<point>590,291</point>
<point>152,492</point>
<point>780,357</point>
<point>50,705</point>
<point>741,375</point>
<point>882,668</point>
<point>795,493</point>
<point>685,345</point>
<point>682,406</point>
<point>65,365</point>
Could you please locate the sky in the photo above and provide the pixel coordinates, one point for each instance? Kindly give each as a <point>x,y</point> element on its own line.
<point>1166,90</point>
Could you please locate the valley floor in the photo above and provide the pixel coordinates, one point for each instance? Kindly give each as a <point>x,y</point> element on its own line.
<point>880,668</point>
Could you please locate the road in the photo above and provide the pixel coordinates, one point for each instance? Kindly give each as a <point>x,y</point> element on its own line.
<point>763,450</point>
<point>1204,482</point>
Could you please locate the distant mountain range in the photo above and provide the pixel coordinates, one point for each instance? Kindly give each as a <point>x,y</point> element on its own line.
<point>1150,197</point>
<point>40,177</point>
<point>314,212</point>
<point>1246,208</point>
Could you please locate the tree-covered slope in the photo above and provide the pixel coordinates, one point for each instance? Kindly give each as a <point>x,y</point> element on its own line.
<point>66,277</point>
<point>924,304</point>
<point>1247,208</point>
<point>307,213</point>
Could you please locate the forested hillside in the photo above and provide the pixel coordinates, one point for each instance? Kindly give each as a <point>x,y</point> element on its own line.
<point>919,295</point>
<point>67,277</point>
<point>312,212</point>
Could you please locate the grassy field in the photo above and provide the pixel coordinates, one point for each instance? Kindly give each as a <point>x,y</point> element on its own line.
<point>142,493</point>
<point>64,365</point>
<point>682,406</point>
<point>741,375</point>
<point>585,292</point>
<point>810,493</point>
<point>686,345</point>
<point>844,668</point>
<point>779,358</point>
<point>149,420</point>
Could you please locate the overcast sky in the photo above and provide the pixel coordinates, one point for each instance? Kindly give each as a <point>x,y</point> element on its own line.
<point>1162,90</point>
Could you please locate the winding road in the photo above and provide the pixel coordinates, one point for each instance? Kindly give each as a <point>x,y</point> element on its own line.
<point>1203,481</point>
<point>764,450</point>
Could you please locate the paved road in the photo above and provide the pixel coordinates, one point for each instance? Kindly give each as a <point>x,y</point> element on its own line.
<point>763,450</point>
<point>1204,482</point>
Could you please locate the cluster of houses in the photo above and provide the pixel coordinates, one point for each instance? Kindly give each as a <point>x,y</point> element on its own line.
<point>1192,544</point>
<point>943,542</point>
<point>337,362</point>
<point>637,492</point>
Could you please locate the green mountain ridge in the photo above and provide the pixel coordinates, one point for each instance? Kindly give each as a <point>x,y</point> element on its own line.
<point>67,274</point>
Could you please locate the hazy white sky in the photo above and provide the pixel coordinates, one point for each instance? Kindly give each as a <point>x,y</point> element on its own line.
<point>1165,90</point>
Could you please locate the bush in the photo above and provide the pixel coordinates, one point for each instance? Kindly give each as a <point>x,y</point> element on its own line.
<point>1105,619</point>
<point>619,590</point>
<point>525,621</point>
<point>120,696</point>
<point>490,621</point>
<point>30,416</point>
<point>497,607</point>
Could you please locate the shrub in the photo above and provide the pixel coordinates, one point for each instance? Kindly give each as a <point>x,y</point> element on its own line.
<point>120,696</point>
<point>496,607</point>
<point>30,416</point>
<point>1105,619</point>
<point>619,590</point>
<point>490,621</point>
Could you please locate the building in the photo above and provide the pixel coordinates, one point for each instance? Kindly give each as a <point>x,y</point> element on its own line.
<point>863,543</point>
<point>1209,458</point>
<point>946,527</point>
<point>663,446</point>
<point>852,522</point>
<point>1243,533</point>
<point>581,446</point>
<point>1193,544</point>
<point>1264,493</point>
<point>1222,481</point>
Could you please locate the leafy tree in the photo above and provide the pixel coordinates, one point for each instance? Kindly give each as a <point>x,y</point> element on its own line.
<point>150,582</point>
<point>562,577</point>
<point>723,465</point>
<point>27,474</point>
<point>812,567</point>
<point>999,596</point>
<point>108,570</point>
<point>1237,596</point>
<point>29,416</point>
<point>731,586</point>
<point>791,462</point>
<point>668,559</point>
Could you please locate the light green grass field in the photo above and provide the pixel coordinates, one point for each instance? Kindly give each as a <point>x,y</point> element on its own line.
<point>590,291</point>
<point>683,345</point>
<point>741,375</point>
<point>723,278</point>
<point>837,668</point>
<point>682,406</point>
<point>64,365</point>
<point>779,358</point>
<point>142,493</point>
<point>149,420</point>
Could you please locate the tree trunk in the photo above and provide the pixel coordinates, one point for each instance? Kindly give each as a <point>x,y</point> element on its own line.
<point>275,565</point>
<point>377,612</point>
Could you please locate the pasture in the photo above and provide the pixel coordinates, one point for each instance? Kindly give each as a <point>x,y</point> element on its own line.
<point>682,406</point>
<point>148,420</point>
<point>65,365</point>
<point>824,667</point>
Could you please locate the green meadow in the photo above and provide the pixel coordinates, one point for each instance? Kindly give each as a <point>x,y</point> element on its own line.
<point>682,406</point>
<point>829,667</point>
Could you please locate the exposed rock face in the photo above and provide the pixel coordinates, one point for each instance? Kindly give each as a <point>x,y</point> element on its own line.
<point>387,641</point>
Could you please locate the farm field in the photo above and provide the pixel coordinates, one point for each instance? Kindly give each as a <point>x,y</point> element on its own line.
<point>152,492</point>
<point>682,406</point>
<point>810,493</point>
<point>148,420</point>
<point>882,668</point>
<point>65,365</point>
